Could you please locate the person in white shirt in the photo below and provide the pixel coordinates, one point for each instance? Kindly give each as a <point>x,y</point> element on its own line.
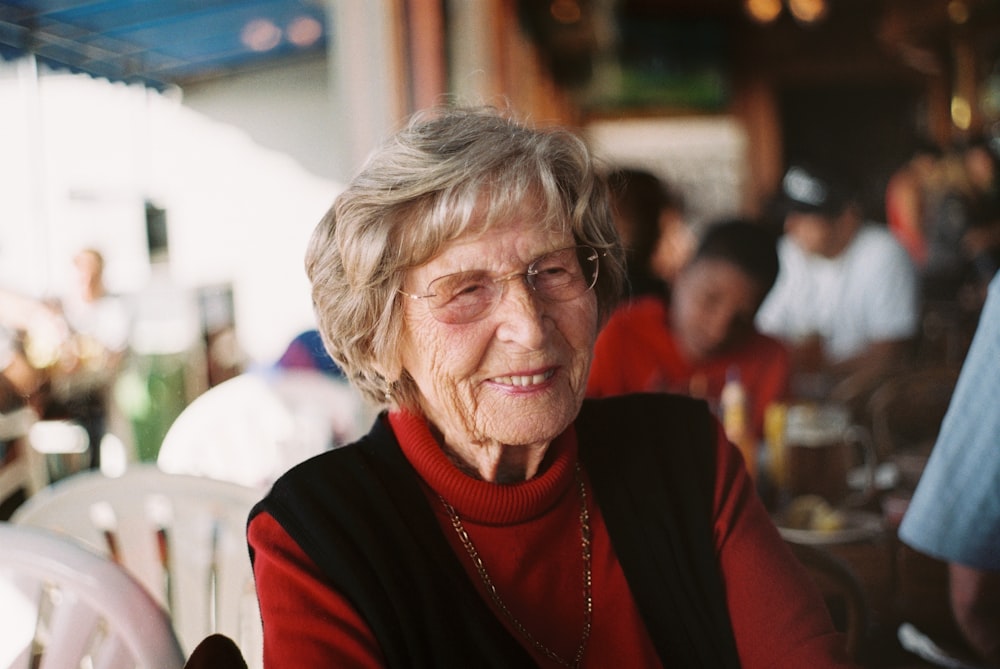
<point>100,325</point>
<point>846,299</point>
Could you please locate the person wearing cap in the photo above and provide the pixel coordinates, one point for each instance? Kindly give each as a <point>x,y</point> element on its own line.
<point>846,297</point>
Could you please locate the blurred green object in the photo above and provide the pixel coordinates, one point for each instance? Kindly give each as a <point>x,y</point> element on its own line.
<point>152,392</point>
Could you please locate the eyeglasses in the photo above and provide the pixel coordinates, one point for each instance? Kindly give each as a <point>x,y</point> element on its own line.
<point>557,276</point>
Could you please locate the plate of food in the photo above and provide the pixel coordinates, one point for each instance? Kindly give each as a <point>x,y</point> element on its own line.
<point>810,519</point>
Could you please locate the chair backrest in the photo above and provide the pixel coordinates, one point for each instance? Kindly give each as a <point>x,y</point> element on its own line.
<point>907,410</point>
<point>843,592</point>
<point>250,429</point>
<point>182,536</point>
<point>61,603</point>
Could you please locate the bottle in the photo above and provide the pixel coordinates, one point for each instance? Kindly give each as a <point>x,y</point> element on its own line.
<point>735,419</point>
<point>775,417</point>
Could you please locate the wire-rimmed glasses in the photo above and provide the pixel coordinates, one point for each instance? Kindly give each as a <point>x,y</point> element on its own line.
<point>556,276</point>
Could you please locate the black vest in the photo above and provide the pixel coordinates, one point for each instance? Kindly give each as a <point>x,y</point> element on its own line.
<point>359,513</point>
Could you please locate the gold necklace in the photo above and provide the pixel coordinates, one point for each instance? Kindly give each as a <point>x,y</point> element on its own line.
<point>588,604</point>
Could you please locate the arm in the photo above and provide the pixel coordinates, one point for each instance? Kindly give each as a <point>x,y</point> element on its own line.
<point>953,515</point>
<point>21,312</point>
<point>975,601</point>
<point>778,616</point>
<point>306,623</point>
<point>860,375</point>
<point>904,212</point>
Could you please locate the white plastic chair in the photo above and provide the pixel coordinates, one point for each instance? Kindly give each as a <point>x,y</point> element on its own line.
<point>250,429</point>
<point>62,605</point>
<point>25,469</point>
<point>183,537</point>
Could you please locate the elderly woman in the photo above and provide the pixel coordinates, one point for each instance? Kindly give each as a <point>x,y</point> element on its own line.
<point>492,518</point>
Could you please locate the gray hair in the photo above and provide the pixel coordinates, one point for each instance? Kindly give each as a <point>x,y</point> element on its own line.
<point>449,171</point>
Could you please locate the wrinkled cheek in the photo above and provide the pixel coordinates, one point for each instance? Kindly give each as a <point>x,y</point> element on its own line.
<point>454,409</point>
<point>467,409</point>
<point>578,383</point>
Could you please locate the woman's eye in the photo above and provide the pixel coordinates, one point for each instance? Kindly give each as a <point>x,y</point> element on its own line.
<point>552,274</point>
<point>466,290</point>
<point>552,270</point>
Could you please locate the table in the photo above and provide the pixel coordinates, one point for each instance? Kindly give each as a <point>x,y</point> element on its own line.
<point>898,584</point>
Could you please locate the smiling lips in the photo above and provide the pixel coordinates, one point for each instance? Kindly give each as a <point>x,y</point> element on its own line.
<point>524,380</point>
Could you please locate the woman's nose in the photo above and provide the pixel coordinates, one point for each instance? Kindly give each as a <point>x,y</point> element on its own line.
<point>718,325</point>
<point>521,315</point>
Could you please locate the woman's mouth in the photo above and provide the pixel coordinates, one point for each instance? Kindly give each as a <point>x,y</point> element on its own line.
<point>523,380</point>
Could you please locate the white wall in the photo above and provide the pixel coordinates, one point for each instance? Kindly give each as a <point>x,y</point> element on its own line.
<point>82,155</point>
<point>286,108</point>
<point>704,158</point>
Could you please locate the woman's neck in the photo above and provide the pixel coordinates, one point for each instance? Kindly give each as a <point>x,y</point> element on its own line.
<point>494,462</point>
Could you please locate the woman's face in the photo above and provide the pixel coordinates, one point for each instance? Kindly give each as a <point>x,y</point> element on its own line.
<point>813,233</point>
<point>674,246</point>
<point>713,308</point>
<point>517,376</point>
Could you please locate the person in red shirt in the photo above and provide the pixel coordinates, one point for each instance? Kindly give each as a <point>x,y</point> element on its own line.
<point>705,333</point>
<point>493,516</point>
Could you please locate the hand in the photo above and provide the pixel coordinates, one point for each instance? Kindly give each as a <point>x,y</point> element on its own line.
<point>809,354</point>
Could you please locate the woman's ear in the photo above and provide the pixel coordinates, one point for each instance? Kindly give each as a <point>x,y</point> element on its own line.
<point>390,369</point>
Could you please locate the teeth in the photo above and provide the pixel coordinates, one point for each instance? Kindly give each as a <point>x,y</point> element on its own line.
<point>527,380</point>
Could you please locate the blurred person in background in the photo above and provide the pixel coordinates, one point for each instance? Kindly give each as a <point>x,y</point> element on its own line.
<point>846,297</point>
<point>306,351</point>
<point>650,219</point>
<point>97,318</point>
<point>963,230</point>
<point>492,517</point>
<point>954,514</point>
<point>100,326</point>
<point>31,336</point>
<point>693,341</point>
<point>908,197</point>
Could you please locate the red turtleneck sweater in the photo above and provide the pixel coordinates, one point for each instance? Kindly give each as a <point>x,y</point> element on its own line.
<point>528,536</point>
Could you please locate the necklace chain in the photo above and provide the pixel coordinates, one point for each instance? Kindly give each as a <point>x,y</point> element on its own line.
<point>588,604</point>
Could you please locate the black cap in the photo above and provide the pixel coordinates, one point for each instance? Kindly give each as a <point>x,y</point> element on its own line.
<point>811,190</point>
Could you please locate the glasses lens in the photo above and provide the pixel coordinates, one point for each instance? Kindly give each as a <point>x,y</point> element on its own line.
<point>565,274</point>
<point>559,276</point>
<point>462,297</point>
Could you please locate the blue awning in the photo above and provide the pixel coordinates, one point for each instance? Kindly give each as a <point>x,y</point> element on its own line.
<point>161,42</point>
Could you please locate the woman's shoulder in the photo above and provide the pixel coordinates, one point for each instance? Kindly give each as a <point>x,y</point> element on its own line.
<point>642,318</point>
<point>660,422</point>
<point>349,467</point>
<point>630,402</point>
